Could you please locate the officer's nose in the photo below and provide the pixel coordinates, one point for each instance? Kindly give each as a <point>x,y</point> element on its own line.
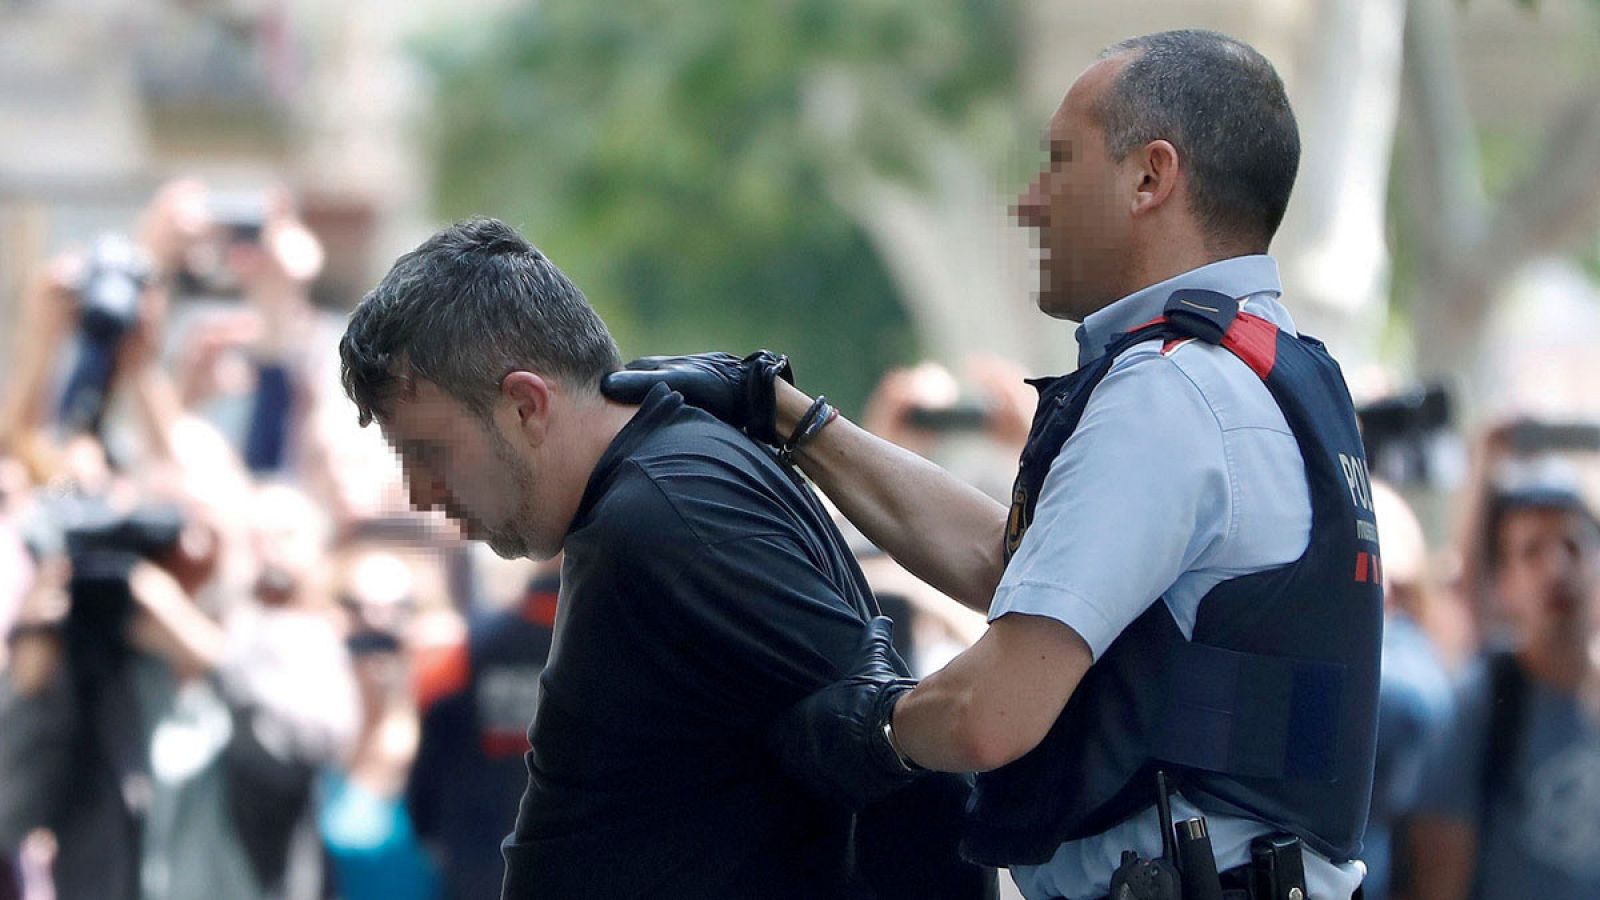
<point>1032,206</point>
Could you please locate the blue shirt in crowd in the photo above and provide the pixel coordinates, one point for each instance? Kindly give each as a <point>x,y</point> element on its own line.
<point>1540,835</point>
<point>1415,703</point>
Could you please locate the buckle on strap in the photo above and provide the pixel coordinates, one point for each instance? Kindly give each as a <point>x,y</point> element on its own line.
<point>1251,715</point>
<point>1202,314</point>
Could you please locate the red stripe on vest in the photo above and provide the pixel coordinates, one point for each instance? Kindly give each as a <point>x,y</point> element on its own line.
<point>1361,566</point>
<point>1254,340</point>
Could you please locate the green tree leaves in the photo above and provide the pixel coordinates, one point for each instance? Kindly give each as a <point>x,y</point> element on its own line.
<point>677,159</point>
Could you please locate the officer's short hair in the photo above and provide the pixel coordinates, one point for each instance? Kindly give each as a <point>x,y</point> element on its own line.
<point>1222,105</point>
<point>471,304</point>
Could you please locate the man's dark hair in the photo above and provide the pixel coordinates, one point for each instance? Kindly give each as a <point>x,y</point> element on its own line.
<point>472,303</point>
<point>1222,105</point>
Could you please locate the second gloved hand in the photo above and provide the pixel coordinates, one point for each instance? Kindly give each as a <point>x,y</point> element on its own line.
<point>741,392</point>
<point>833,741</point>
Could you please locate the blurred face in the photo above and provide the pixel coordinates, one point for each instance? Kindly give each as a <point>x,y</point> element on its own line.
<point>377,590</point>
<point>1078,207</point>
<point>456,462</point>
<point>289,539</point>
<point>1547,573</point>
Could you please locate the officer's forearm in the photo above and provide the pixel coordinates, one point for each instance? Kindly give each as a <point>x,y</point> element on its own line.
<point>939,528</point>
<point>994,702</point>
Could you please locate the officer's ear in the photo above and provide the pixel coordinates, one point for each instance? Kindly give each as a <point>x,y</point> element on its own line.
<point>1156,171</point>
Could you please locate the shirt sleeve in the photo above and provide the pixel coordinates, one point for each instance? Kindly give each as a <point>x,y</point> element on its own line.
<point>1138,495</point>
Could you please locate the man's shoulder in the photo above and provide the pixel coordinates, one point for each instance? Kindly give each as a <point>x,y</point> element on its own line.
<point>698,474</point>
<point>695,447</point>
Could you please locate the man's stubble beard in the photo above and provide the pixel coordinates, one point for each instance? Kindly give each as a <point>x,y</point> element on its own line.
<point>507,540</point>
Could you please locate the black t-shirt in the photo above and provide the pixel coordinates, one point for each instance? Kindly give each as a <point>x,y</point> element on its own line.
<point>704,592</point>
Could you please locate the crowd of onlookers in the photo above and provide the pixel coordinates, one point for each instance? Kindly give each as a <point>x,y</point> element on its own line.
<point>236,666</point>
<point>1488,747</point>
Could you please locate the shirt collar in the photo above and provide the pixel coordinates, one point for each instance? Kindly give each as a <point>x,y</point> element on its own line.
<point>657,408</point>
<point>1238,277</point>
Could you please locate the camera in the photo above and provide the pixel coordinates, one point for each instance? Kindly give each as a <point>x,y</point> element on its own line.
<point>1419,411</point>
<point>239,215</point>
<point>1405,434</point>
<point>964,415</point>
<point>108,306</point>
<point>237,220</point>
<point>103,545</point>
<point>1530,436</point>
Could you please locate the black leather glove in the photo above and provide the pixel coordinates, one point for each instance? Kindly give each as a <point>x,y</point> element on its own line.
<point>738,391</point>
<point>833,741</point>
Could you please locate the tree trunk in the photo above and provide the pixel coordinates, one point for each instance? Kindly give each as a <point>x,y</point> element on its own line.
<point>962,263</point>
<point>1332,250</point>
<point>1469,248</point>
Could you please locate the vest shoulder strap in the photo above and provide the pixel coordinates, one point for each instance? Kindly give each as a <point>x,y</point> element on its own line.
<point>1206,315</point>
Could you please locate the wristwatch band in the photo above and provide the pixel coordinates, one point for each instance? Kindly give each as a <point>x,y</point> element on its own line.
<point>906,762</point>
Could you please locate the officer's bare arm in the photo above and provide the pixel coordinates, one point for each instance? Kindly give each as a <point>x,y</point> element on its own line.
<point>996,701</point>
<point>940,528</point>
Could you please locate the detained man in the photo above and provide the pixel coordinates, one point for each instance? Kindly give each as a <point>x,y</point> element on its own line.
<point>704,591</point>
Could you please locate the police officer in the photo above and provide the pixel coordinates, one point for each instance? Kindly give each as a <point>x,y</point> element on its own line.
<point>1187,577</point>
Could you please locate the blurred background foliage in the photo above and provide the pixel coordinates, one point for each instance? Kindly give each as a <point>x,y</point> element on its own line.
<point>681,159</point>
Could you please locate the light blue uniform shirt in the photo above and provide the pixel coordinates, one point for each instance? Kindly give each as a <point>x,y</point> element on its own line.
<point>1181,474</point>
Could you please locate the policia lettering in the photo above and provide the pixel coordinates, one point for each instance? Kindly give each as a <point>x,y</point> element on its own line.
<point>1268,709</point>
<point>1355,475</point>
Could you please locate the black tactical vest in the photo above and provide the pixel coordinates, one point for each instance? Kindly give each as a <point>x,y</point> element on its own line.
<point>1270,710</point>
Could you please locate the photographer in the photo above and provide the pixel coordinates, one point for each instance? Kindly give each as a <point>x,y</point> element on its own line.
<point>74,706</point>
<point>261,253</point>
<point>1507,810</point>
<point>168,696</point>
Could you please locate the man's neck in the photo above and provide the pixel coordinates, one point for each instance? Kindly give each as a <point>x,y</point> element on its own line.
<point>602,420</point>
<point>1555,663</point>
<point>596,421</point>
